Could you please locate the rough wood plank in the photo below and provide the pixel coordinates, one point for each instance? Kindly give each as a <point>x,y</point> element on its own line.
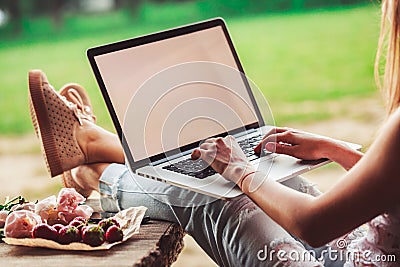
<point>158,243</point>
<point>166,250</point>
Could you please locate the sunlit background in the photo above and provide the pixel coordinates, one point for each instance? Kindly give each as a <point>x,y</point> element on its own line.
<point>313,59</point>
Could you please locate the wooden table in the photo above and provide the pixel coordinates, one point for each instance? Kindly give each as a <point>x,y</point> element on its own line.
<point>158,244</point>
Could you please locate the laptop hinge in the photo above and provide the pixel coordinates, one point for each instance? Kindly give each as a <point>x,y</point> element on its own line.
<point>245,132</point>
<point>172,157</point>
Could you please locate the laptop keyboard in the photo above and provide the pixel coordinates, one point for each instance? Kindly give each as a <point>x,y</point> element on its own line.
<point>195,168</point>
<point>200,169</point>
<point>247,145</point>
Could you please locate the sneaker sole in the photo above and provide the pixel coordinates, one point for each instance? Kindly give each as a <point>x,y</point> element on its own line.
<point>41,123</point>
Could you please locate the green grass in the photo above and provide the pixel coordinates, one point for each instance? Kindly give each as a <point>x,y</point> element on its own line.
<point>319,55</point>
<point>315,56</point>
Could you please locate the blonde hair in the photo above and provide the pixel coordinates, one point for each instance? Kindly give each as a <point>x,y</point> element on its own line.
<point>389,41</point>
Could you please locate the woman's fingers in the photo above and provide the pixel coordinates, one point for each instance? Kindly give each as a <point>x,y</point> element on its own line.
<point>288,137</point>
<point>196,154</point>
<point>206,145</point>
<point>206,154</point>
<point>274,131</point>
<point>224,155</point>
<point>225,142</point>
<point>209,150</point>
<point>280,148</point>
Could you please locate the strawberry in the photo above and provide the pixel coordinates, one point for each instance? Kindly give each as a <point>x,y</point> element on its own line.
<point>43,230</point>
<point>78,222</point>
<point>80,218</point>
<point>114,234</point>
<point>69,234</point>
<point>52,221</point>
<point>3,217</point>
<point>106,223</point>
<point>83,229</point>
<point>93,235</point>
<point>58,227</point>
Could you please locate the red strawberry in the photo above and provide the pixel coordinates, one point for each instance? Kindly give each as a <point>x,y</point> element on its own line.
<point>58,227</point>
<point>114,234</point>
<point>45,231</point>
<point>93,235</point>
<point>78,223</point>
<point>83,229</point>
<point>106,223</point>
<point>56,221</point>
<point>69,234</point>
<point>80,218</point>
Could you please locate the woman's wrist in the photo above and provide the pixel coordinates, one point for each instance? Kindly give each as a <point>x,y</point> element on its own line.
<point>240,184</point>
<point>341,154</point>
<point>252,181</point>
<point>328,148</point>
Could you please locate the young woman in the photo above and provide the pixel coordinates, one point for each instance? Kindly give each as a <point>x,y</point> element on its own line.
<point>367,193</point>
<point>272,224</point>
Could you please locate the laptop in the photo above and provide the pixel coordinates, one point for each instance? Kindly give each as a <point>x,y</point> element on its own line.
<point>169,91</point>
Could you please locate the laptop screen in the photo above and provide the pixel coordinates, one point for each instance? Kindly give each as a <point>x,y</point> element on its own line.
<point>163,104</point>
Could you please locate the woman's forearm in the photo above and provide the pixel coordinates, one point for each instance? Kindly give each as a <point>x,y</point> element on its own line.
<point>348,203</point>
<point>289,208</point>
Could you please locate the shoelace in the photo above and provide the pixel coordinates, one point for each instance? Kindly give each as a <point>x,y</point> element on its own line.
<point>85,110</point>
<point>74,107</point>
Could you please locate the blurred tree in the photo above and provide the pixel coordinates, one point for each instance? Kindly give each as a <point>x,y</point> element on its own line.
<point>13,8</point>
<point>20,10</point>
<point>298,4</point>
<point>133,6</point>
<point>119,3</point>
<point>53,8</point>
<point>58,6</point>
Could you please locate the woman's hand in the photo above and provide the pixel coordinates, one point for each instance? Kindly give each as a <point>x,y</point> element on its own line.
<point>226,157</point>
<point>295,143</point>
<point>308,146</point>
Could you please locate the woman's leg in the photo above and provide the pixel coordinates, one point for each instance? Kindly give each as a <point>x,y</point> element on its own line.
<point>120,190</point>
<point>98,144</point>
<point>232,233</point>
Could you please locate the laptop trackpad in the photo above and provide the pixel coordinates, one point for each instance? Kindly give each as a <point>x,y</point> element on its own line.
<point>284,167</point>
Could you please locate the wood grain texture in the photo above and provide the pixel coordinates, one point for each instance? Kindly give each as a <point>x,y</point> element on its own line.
<point>158,244</point>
